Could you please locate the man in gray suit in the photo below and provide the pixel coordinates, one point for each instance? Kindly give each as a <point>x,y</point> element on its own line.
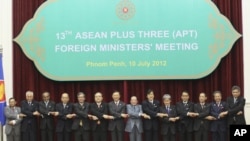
<point>134,123</point>
<point>13,119</point>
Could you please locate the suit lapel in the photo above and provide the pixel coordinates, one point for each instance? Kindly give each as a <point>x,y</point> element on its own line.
<point>81,106</point>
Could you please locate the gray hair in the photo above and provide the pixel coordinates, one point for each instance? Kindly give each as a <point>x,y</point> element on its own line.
<point>166,96</point>
<point>29,93</point>
<point>80,93</point>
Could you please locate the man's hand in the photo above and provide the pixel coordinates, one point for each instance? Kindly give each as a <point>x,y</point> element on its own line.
<point>145,116</point>
<point>52,113</point>
<point>177,118</point>
<point>210,118</point>
<point>161,115</point>
<point>111,117</point>
<point>240,113</point>
<point>56,113</point>
<point>192,114</point>
<point>22,115</point>
<point>12,122</point>
<point>69,116</point>
<point>223,114</point>
<point>90,116</point>
<point>98,122</point>
<point>106,116</point>
<point>124,115</point>
<point>36,113</point>
<point>95,118</point>
<point>172,119</point>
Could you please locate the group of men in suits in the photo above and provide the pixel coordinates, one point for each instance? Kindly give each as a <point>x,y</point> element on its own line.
<point>194,121</point>
<point>191,121</point>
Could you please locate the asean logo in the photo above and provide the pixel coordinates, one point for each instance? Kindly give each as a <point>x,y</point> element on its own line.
<point>2,96</point>
<point>125,10</point>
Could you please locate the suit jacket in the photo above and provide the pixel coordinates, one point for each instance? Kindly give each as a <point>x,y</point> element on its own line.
<point>81,112</point>
<point>134,118</point>
<point>62,121</point>
<point>30,121</point>
<point>151,109</point>
<point>185,122</point>
<point>12,114</point>
<point>46,119</point>
<point>116,111</point>
<point>220,123</point>
<point>200,120</point>
<point>166,125</point>
<point>234,108</point>
<point>99,112</point>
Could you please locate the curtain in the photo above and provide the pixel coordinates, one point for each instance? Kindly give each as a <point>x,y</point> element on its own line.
<point>228,73</point>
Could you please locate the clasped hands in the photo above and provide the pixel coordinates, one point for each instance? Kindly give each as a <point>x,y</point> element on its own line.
<point>192,114</point>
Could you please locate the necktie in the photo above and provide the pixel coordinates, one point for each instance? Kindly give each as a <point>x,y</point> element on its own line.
<point>218,104</point>
<point>46,104</point>
<point>167,109</point>
<point>29,103</point>
<point>81,123</point>
<point>235,99</point>
<point>185,104</point>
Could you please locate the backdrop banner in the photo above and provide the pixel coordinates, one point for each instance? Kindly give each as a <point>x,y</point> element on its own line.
<point>127,39</point>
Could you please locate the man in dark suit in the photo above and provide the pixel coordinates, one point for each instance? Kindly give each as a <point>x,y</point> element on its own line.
<point>151,108</point>
<point>29,107</point>
<point>117,109</point>
<point>185,110</point>
<point>236,104</point>
<point>168,127</point>
<point>100,117</point>
<point>235,112</point>
<point>47,110</point>
<point>218,126</point>
<point>64,118</point>
<point>201,121</point>
<point>81,123</point>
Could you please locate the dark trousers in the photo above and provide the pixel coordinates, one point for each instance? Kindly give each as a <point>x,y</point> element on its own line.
<point>185,136</point>
<point>151,135</point>
<point>117,135</point>
<point>201,134</point>
<point>29,134</point>
<point>63,136</point>
<point>219,136</point>
<point>168,137</point>
<point>47,135</point>
<point>99,134</point>
<point>81,135</point>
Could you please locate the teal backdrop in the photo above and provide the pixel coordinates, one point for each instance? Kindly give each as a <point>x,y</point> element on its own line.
<point>26,75</point>
<point>127,39</point>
